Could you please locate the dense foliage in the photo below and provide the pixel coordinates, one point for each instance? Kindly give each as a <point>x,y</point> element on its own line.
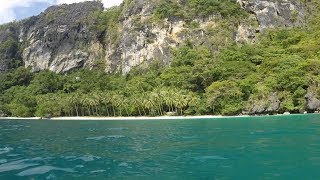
<point>9,46</point>
<point>285,64</point>
<point>191,9</point>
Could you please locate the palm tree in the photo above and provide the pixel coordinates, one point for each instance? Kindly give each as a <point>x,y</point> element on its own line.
<point>95,102</point>
<point>74,100</point>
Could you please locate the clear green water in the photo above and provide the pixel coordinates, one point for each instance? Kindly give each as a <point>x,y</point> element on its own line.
<point>286,147</point>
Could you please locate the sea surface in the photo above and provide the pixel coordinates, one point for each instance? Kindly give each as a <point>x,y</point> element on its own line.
<point>274,147</point>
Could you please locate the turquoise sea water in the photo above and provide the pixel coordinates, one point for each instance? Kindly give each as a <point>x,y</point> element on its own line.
<point>275,147</point>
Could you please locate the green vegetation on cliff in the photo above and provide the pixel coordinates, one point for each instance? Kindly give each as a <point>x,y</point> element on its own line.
<point>271,76</point>
<point>286,63</point>
<point>191,9</point>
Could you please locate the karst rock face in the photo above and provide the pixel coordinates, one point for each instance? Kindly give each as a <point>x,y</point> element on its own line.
<point>59,39</point>
<point>62,39</point>
<point>276,13</point>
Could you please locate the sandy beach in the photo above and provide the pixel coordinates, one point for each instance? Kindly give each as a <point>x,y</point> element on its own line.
<point>117,118</point>
<point>87,118</point>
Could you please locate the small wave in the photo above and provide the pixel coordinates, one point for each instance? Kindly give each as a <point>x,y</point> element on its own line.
<point>123,164</point>
<point>15,165</point>
<point>39,159</point>
<point>96,138</point>
<point>43,170</point>
<point>117,129</point>
<point>98,171</point>
<point>88,158</point>
<point>92,129</point>
<point>13,155</point>
<point>25,140</point>
<point>189,137</point>
<point>116,136</point>
<point>3,161</point>
<point>204,158</point>
<point>141,149</point>
<point>51,176</point>
<point>17,126</point>
<point>12,129</point>
<point>5,150</point>
<point>69,157</point>
<point>79,166</point>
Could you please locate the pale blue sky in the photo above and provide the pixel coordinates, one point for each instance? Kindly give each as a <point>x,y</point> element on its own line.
<point>36,8</point>
<point>19,9</point>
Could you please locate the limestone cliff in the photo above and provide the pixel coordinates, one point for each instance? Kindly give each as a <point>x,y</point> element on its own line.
<point>63,38</point>
<point>275,13</point>
<point>153,42</point>
<point>59,39</point>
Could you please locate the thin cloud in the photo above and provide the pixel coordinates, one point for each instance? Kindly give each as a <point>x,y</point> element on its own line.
<point>7,8</point>
<point>7,13</point>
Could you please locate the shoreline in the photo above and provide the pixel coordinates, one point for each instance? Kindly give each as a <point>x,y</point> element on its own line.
<point>87,118</point>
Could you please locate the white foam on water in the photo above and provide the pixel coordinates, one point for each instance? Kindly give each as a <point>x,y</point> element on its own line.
<point>43,170</point>
<point>13,155</point>
<point>98,171</point>
<point>88,158</point>
<point>96,138</point>
<point>5,150</point>
<point>79,166</point>
<point>116,136</point>
<point>70,157</point>
<point>38,159</point>
<point>123,164</point>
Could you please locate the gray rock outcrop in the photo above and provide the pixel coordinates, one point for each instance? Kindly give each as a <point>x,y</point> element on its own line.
<point>59,39</point>
<point>275,13</point>
<point>313,104</point>
<point>265,106</point>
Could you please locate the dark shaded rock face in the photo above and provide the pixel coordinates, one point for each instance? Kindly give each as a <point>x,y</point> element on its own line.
<point>9,53</point>
<point>276,13</point>
<point>60,39</point>
<point>313,104</point>
<point>266,106</point>
<point>274,103</point>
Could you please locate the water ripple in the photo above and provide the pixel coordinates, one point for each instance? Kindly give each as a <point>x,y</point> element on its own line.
<point>116,136</point>
<point>117,129</point>
<point>88,158</point>
<point>98,171</point>
<point>43,170</point>
<point>5,150</point>
<point>16,165</point>
<point>96,138</point>
<point>205,158</point>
